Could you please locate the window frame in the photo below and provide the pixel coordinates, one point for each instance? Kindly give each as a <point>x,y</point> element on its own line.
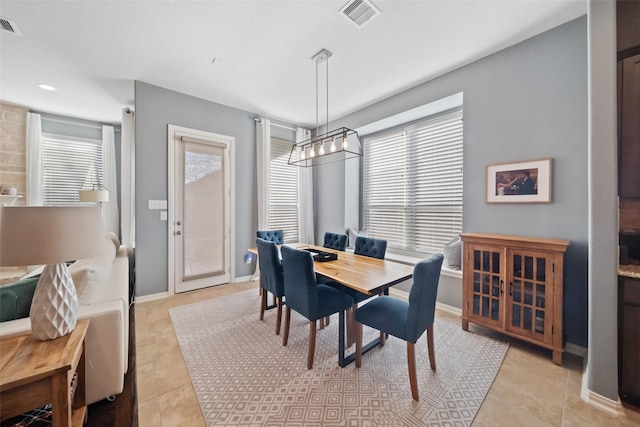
<point>67,187</point>
<point>407,250</point>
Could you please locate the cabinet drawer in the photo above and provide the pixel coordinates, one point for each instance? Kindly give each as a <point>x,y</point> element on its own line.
<point>632,292</point>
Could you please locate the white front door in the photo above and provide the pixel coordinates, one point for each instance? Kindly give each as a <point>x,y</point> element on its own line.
<point>200,209</point>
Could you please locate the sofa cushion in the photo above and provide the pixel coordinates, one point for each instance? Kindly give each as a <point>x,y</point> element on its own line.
<point>453,253</point>
<point>353,234</point>
<point>15,298</point>
<point>90,275</point>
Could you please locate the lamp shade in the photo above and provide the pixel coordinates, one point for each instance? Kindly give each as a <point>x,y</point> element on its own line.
<point>31,235</point>
<point>95,195</point>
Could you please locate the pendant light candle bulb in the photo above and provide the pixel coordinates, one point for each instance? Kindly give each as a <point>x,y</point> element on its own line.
<point>302,153</point>
<point>345,144</point>
<point>312,153</point>
<point>321,149</point>
<point>332,148</point>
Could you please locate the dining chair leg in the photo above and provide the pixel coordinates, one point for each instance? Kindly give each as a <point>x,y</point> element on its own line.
<point>432,354</point>
<point>287,321</point>
<point>312,344</point>
<point>279,316</point>
<point>383,338</point>
<point>326,320</point>
<point>411,361</point>
<point>263,302</point>
<point>358,344</point>
<point>321,323</point>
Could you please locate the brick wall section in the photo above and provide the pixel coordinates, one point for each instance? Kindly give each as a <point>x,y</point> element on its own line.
<point>13,121</point>
<point>13,126</point>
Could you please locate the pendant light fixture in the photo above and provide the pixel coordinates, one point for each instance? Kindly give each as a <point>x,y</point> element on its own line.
<point>331,146</point>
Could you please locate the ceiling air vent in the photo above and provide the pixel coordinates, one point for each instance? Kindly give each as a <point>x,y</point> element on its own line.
<point>9,26</point>
<point>359,12</point>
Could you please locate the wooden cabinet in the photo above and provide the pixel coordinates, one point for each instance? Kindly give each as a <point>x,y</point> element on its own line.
<point>514,285</point>
<point>629,127</point>
<point>629,340</point>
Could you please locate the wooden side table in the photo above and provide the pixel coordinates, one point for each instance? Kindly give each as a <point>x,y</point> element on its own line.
<point>34,373</point>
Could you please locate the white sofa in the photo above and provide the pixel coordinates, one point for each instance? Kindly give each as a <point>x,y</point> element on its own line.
<point>107,340</point>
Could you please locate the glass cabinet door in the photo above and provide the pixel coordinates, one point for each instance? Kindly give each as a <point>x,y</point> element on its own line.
<point>529,304</point>
<point>486,293</point>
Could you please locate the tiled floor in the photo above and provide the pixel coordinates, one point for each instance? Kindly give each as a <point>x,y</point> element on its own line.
<point>528,391</point>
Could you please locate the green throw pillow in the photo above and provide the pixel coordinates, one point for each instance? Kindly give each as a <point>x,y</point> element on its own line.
<point>15,298</point>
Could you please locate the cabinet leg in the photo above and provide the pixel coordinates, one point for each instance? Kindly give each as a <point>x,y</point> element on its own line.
<point>557,357</point>
<point>465,325</point>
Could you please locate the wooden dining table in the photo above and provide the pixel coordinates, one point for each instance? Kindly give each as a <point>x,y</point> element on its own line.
<point>364,274</point>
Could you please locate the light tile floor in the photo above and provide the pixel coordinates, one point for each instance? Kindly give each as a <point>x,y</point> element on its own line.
<point>528,391</point>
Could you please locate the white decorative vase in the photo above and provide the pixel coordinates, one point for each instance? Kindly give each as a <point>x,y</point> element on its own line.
<point>54,309</point>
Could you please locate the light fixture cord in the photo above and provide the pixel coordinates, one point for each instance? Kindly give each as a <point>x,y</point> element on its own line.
<point>317,102</point>
<point>327,129</point>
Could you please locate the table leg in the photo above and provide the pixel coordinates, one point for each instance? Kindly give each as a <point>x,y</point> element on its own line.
<point>342,359</point>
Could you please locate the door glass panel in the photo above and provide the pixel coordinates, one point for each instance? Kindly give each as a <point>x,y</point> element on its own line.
<point>528,293</point>
<point>540,296</point>
<point>517,266</point>
<point>485,284</point>
<point>476,282</point>
<point>476,260</point>
<point>541,269</point>
<point>515,315</point>
<point>203,212</point>
<point>495,309</point>
<point>539,322</point>
<point>495,286</point>
<point>485,307</point>
<point>528,267</point>
<point>486,261</point>
<point>496,262</point>
<point>516,290</point>
<point>476,304</point>
<point>527,318</point>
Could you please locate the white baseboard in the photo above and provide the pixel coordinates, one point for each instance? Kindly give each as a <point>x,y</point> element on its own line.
<point>449,309</point>
<point>576,350</point>
<point>613,407</point>
<point>243,278</point>
<point>152,297</point>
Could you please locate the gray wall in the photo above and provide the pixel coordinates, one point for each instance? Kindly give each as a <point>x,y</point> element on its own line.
<point>155,109</point>
<point>525,102</point>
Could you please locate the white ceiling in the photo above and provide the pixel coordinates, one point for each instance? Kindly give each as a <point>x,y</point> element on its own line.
<point>92,51</point>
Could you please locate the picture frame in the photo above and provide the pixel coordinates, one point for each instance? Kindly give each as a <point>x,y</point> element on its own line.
<point>519,182</point>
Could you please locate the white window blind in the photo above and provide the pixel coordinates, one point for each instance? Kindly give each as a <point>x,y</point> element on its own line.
<point>412,183</point>
<point>283,189</point>
<point>69,165</point>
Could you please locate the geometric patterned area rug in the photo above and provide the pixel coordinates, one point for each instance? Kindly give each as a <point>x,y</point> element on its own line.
<point>243,376</point>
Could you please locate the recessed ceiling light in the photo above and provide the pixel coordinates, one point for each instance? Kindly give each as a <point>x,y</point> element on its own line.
<point>46,87</point>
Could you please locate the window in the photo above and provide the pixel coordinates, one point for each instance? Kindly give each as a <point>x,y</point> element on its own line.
<point>283,191</point>
<point>69,165</point>
<point>412,183</point>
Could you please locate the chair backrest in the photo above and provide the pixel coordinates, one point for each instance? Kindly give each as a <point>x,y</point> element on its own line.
<point>368,246</point>
<point>335,241</point>
<point>300,281</point>
<point>271,275</point>
<point>422,296</point>
<point>276,236</point>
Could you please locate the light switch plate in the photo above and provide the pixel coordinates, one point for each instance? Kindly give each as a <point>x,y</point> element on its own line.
<point>157,204</point>
<point>163,215</point>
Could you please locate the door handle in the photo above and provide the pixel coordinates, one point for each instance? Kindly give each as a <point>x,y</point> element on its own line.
<point>178,233</point>
<point>510,288</point>
<point>501,286</point>
<point>179,223</point>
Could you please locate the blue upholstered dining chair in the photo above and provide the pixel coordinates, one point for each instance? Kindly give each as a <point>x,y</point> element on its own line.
<point>276,236</point>
<point>335,241</point>
<point>271,277</point>
<point>405,320</point>
<point>368,246</point>
<point>304,295</point>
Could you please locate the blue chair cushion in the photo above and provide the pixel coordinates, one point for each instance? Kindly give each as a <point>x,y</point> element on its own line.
<point>329,301</point>
<point>271,275</point>
<point>276,236</point>
<point>385,314</point>
<point>367,246</point>
<point>335,241</point>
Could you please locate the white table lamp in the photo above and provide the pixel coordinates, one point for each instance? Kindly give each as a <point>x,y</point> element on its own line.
<point>52,235</point>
